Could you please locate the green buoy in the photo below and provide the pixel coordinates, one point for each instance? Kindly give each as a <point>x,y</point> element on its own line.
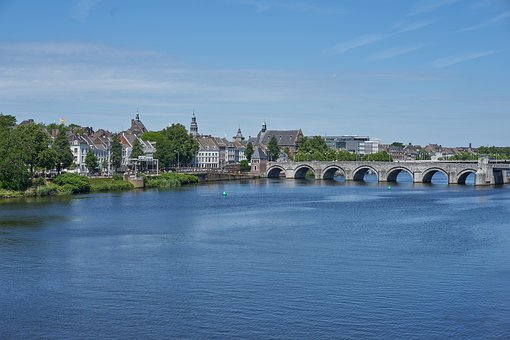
<point>225,194</point>
<point>389,187</point>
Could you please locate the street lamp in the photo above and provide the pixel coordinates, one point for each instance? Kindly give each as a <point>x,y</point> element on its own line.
<point>178,162</point>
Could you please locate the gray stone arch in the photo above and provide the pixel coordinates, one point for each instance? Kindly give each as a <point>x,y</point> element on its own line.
<point>301,170</point>
<point>462,176</point>
<point>392,174</point>
<point>427,174</point>
<point>359,173</point>
<point>275,171</point>
<point>330,171</point>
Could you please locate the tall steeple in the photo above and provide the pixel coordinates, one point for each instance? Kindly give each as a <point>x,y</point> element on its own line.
<point>264,127</point>
<point>239,136</point>
<point>193,129</point>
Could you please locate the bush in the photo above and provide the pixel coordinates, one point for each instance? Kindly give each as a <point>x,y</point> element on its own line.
<point>170,180</point>
<point>107,184</point>
<point>9,193</point>
<point>76,182</point>
<point>37,182</point>
<point>66,189</point>
<point>47,190</point>
<point>244,166</point>
<point>117,177</point>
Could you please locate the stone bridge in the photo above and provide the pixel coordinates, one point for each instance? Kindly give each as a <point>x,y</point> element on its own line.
<point>486,172</point>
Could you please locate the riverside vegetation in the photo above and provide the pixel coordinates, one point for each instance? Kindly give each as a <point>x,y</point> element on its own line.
<point>68,184</point>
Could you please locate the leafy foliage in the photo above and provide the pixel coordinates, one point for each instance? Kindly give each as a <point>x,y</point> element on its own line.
<point>273,150</point>
<point>244,166</point>
<point>171,141</point>
<point>116,153</point>
<point>76,182</point>
<point>63,151</point>
<point>91,161</point>
<point>109,184</point>
<point>170,180</point>
<point>248,152</point>
<point>137,149</point>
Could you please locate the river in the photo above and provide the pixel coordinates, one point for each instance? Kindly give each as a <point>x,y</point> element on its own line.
<point>273,259</point>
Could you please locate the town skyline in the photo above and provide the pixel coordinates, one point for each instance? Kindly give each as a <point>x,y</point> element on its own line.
<point>410,71</point>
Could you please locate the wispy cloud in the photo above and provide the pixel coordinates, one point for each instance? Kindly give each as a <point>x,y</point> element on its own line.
<point>367,39</point>
<point>427,6</point>
<point>408,26</point>
<point>492,21</point>
<point>459,58</point>
<point>293,6</point>
<point>397,51</point>
<point>355,43</point>
<point>82,8</point>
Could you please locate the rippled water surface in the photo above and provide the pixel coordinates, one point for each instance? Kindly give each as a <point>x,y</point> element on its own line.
<point>273,259</point>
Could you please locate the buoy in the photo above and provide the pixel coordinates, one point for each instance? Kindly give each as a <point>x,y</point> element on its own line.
<point>389,187</point>
<point>225,194</point>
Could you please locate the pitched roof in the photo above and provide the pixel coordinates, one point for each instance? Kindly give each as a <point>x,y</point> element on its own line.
<point>283,137</point>
<point>258,154</point>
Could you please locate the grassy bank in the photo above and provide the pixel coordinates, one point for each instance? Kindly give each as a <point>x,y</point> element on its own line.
<point>170,180</point>
<point>68,184</point>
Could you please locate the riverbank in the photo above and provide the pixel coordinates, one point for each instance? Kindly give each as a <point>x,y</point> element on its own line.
<point>68,184</point>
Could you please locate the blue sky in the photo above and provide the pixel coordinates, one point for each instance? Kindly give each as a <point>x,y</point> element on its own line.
<point>434,71</point>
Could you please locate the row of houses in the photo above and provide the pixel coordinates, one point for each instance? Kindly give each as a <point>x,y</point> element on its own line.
<point>99,143</point>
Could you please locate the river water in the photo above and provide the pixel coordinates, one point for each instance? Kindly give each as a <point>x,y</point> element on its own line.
<point>272,259</point>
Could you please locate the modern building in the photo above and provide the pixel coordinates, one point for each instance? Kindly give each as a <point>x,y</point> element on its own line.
<point>362,145</point>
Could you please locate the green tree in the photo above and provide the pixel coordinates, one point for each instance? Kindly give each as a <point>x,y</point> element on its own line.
<point>48,159</point>
<point>312,145</point>
<point>248,152</point>
<point>33,141</point>
<point>116,153</point>
<point>381,156</point>
<point>137,149</point>
<point>273,150</point>
<point>244,166</point>
<point>14,174</point>
<point>91,161</point>
<point>171,141</point>
<point>63,152</point>
<point>397,144</point>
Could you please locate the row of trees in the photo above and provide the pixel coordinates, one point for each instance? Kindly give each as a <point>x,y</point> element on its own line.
<point>27,147</point>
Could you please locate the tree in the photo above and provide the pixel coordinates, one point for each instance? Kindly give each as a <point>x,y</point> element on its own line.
<point>244,166</point>
<point>172,141</point>
<point>116,153</point>
<point>91,161</point>
<point>312,145</point>
<point>248,152</point>
<point>33,141</point>
<point>273,150</point>
<point>48,159</point>
<point>397,144</point>
<point>137,149</point>
<point>381,156</point>
<point>14,173</point>
<point>63,152</point>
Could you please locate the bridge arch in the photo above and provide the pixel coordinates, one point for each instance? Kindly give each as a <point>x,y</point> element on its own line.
<point>330,171</point>
<point>427,174</point>
<point>359,173</point>
<point>275,171</point>
<point>462,176</point>
<point>392,174</point>
<point>301,170</point>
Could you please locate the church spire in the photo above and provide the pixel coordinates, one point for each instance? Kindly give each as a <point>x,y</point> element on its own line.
<point>193,129</point>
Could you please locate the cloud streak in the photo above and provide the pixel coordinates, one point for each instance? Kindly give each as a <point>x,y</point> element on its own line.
<point>82,8</point>
<point>395,52</point>
<point>459,58</point>
<point>293,6</point>
<point>427,6</point>
<point>490,22</point>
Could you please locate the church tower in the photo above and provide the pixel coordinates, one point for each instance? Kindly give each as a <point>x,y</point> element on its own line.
<point>193,129</point>
<point>239,136</point>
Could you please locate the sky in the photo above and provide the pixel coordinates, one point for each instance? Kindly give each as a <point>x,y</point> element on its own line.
<point>415,71</point>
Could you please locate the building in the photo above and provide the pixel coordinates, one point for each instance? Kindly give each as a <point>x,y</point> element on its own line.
<point>127,140</point>
<point>362,145</point>
<point>98,142</point>
<point>258,161</point>
<point>217,152</point>
<point>287,139</point>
